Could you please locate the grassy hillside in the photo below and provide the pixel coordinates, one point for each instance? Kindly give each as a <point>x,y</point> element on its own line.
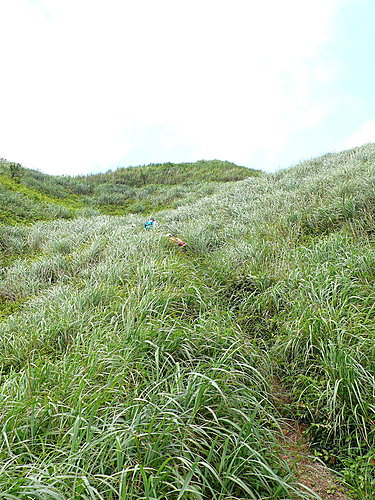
<point>172,173</point>
<point>20,204</point>
<point>28,195</point>
<point>132,370</point>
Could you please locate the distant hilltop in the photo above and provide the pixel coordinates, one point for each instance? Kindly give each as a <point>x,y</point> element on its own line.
<point>29,195</point>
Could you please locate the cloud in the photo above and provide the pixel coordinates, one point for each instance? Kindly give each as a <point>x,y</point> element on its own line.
<point>364,135</point>
<point>88,84</point>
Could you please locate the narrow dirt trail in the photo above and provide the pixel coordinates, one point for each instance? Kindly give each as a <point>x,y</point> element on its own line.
<point>315,476</point>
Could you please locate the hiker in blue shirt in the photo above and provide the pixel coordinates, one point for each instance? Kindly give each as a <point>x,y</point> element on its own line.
<point>150,223</point>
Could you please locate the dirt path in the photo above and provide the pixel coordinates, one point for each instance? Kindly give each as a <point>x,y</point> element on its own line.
<point>315,476</point>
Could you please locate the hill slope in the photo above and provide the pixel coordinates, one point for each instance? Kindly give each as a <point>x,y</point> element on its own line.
<point>132,370</point>
<point>27,195</point>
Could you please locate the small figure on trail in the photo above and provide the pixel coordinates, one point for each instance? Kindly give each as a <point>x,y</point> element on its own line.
<point>150,223</point>
<point>178,241</point>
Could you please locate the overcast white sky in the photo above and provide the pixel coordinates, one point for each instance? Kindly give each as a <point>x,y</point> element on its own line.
<point>88,85</point>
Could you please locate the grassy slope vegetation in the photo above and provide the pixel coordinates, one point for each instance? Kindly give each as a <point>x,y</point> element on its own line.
<point>28,195</point>
<point>20,204</point>
<point>131,370</point>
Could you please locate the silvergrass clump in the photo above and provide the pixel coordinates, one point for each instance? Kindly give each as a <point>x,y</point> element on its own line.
<point>135,371</point>
<point>178,401</point>
<point>12,239</point>
<point>143,379</point>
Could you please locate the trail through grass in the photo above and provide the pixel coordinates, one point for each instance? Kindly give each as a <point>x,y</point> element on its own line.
<point>130,370</point>
<point>123,380</point>
<point>296,449</point>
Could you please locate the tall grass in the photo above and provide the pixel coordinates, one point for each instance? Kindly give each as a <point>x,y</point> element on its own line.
<point>123,378</point>
<point>294,253</point>
<point>131,370</point>
<point>29,196</point>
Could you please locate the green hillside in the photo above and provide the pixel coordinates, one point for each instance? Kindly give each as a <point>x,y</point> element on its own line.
<point>132,370</point>
<point>172,173</point>
<point>28,195</point>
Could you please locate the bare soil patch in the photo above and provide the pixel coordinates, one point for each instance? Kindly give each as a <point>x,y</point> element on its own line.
<point>313,475</point>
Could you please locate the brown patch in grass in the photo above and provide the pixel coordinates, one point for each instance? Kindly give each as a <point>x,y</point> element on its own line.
<point>311,474</point>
